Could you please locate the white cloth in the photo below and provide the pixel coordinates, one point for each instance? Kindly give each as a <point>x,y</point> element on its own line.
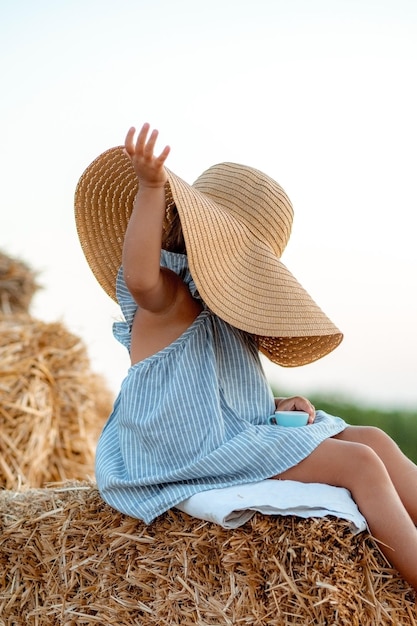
<point>231,507</point>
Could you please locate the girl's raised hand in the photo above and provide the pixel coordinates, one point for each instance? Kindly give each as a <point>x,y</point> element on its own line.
<point>149,168</point>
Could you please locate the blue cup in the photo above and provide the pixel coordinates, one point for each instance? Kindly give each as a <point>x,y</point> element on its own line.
<point>289,418</point>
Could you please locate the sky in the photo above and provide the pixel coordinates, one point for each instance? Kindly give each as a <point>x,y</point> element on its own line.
<point>319,94</point>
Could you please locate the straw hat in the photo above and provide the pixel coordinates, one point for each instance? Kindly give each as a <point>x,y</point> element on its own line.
<point>236,223</point>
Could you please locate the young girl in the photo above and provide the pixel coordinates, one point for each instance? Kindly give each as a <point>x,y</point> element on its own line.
<point>192,412</point>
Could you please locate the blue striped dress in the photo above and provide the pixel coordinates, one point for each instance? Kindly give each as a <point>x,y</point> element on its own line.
<point>194,416</point>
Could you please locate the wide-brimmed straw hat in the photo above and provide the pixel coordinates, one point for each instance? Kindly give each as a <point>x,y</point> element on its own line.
<point>236,222</point>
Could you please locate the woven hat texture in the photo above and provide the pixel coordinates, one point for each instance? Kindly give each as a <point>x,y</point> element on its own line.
<point>236,222</point>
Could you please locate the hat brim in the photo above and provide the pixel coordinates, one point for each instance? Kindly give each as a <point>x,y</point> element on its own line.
<point>242,280</point>
<point>104,199</point>
<point>239,276</point>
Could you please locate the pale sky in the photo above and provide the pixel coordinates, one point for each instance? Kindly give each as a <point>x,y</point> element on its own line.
<point>321,95</point>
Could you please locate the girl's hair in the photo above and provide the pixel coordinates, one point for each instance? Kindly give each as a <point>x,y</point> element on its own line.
<point>172,235</point>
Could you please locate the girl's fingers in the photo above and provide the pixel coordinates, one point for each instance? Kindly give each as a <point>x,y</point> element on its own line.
<point>141,140</point>
<point>129,147</point>
<point>162,157</point>
<point>144,147</point>
<point>148,147</point>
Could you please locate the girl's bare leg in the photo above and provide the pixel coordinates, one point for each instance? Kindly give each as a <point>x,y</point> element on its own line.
<point>402,471</point>
<point>357,467</point>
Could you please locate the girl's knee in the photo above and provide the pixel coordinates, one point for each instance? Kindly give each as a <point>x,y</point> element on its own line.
<point>371,436</point>
<point>363,454</point>
<point>338,463</point>
<point>384,446</point>
<point>373,433</point>
<point>366,467</point>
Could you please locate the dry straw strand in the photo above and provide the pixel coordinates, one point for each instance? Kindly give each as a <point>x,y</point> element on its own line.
<point>17,285</point>
<point>68,558</point>
<point>52,407</point>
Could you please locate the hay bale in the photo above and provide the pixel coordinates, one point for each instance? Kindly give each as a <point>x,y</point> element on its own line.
<point>68,558</point>
<point>17,285</point>
<point>52,407</point>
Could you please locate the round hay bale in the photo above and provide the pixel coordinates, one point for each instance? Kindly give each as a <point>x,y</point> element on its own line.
<point>17,285</point>
<point>52,407</point>
<point>68,558</point>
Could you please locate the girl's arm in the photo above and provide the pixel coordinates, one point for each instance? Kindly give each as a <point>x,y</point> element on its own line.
<point>152,288</point>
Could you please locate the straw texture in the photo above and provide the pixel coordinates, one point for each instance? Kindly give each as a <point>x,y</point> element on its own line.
<point>17,285</point>
<point>52,407</point>
<point>236,223</point>
<point>67,558</point>
<point>103,204</point>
